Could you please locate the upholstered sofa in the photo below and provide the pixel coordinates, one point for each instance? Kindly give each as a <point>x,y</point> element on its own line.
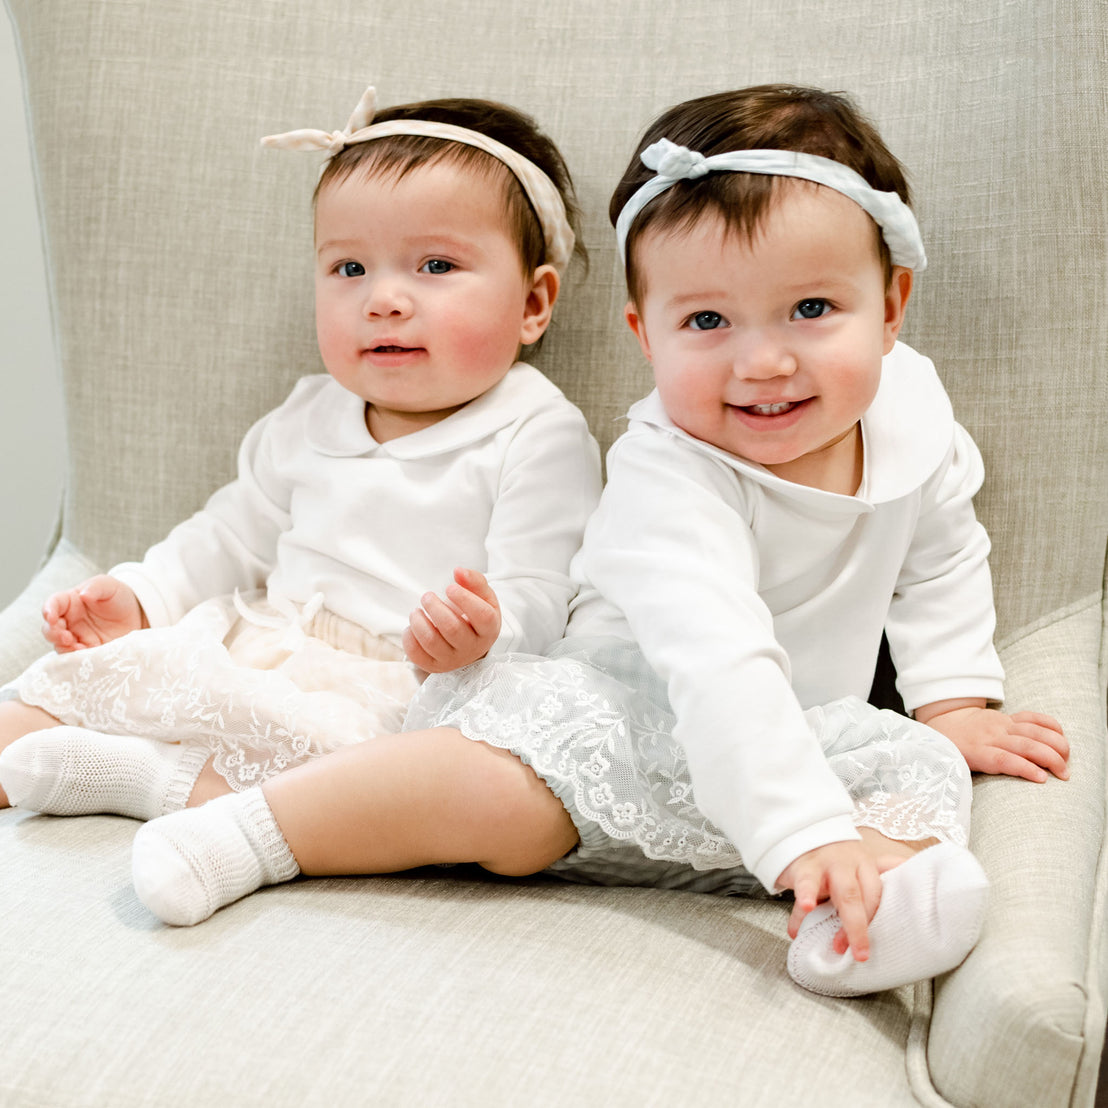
<point>179,260</point>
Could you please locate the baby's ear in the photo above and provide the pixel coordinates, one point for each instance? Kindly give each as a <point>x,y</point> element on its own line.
<point>540,304</point>
<point>635,322</point>
<point>896,303</point>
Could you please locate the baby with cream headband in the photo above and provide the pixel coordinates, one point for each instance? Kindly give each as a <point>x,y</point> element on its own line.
<point>297,612</point>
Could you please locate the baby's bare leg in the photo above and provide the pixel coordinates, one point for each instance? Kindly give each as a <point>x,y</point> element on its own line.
<point>393,803</point>
<point>16,720</point>
<point>209,785</point>
<point>419,799</point>
<point>887,852</point>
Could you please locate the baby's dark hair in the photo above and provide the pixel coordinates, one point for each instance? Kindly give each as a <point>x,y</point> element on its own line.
<point>763,117</point>
<point>398,155</point>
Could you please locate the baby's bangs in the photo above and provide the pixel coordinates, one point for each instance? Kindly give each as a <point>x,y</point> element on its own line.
<point>741,201</point>
<point>393,157</point>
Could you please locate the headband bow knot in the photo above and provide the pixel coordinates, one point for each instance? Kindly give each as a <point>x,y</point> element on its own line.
<point>541,192</point>
<point>667,159</point>
<point>308,138</point>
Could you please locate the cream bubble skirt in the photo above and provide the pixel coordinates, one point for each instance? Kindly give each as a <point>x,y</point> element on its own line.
<point>265,685</point>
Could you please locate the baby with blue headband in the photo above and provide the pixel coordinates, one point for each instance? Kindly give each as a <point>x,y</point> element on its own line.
<point>794,487</point>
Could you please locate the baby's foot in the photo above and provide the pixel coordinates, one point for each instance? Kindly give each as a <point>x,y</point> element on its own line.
<point>72,771</point>
<point>187,865</point>
<point>930,916</point>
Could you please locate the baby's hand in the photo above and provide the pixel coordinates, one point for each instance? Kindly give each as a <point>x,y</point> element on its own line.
<point>94,613</point>
<point>1024,744</point>
<point>449,633</point>
<point>849,875</point>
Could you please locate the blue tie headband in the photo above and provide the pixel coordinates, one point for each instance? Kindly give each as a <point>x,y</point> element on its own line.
<point>673,163</point>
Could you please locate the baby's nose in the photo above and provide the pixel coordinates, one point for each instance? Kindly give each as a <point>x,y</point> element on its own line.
<point>387,297</point>
<point>763,356</point>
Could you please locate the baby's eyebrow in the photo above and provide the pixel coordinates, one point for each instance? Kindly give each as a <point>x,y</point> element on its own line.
<point>449,240</point>
<point>335,244</point>
<point>682,299</point>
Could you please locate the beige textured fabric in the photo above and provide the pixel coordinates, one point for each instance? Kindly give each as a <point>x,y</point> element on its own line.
<point>406,991</point>
<point>1041,958</point>
<point>147,121</point>
<point>179,254</point>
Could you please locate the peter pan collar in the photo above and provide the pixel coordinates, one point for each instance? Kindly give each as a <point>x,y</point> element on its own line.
<point>335,419</point>
<point>906,435</point>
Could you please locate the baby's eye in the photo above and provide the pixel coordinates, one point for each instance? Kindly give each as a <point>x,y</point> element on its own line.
<point>811,309</point>
<point>437,265</point>
<point>350,269</point>
<point>705,321</point>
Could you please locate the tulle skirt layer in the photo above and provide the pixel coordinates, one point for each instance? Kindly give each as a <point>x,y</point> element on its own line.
<point>264,685</point>
<point>593,720</point>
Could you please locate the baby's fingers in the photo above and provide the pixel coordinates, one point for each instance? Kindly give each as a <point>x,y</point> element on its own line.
<point>480,614</point>
<point>427,625</point>
<point>1020,757</point>
<point>806,894</point>
<point>423,644</point>
<point>851,896</point>
<point>448,621</point>
<point>98,589</point>
<point>1038,745</point>
<point>1043,729</point>
<point>477,583</point>
<point>869,883</point>
<point>1039,718</point>
<point>52,609</point>
<point>59,636</point>
<point>1044,747</point>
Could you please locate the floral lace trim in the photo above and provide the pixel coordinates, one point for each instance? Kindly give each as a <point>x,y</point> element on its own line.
<point>616,763</point>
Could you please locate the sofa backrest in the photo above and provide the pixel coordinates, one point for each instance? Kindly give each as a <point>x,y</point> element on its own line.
<point>179,251</point>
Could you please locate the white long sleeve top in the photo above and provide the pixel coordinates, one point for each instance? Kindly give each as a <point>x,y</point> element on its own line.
<point>754,598</point>
<point>504,486</point>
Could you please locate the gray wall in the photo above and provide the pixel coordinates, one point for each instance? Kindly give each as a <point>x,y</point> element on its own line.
<point>31,438</point>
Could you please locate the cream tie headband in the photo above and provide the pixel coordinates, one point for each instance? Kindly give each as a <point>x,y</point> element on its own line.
<point>674,163</point>
<point>540,190</point>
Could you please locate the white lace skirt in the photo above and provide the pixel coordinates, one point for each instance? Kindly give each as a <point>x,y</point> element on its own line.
<point>264,689</point>
<point>595,724</point>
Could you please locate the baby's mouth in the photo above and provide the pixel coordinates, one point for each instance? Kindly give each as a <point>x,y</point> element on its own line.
<point>771,409</point>
<point>391,349</point>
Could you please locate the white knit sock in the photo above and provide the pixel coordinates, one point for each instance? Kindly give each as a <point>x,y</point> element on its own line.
<point>931,912</point>
<point>188,864</point>
<point>72,771</point>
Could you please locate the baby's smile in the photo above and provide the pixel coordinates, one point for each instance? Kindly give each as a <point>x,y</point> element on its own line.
<point>770,409</point>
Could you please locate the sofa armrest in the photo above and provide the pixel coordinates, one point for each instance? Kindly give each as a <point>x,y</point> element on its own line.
<point>1025,1012</point>
<point>21,640</point>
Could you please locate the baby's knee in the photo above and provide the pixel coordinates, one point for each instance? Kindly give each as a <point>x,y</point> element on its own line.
<point>533,854</point>
<point>536,830</point>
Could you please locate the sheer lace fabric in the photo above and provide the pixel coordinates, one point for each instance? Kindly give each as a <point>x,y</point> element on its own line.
<point>264,687</point>
<point>594,722</point>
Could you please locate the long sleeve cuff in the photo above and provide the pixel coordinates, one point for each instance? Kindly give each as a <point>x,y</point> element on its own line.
<point>773,862</point>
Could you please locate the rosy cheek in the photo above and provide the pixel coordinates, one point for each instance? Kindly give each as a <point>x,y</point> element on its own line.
<point>479,345</point>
